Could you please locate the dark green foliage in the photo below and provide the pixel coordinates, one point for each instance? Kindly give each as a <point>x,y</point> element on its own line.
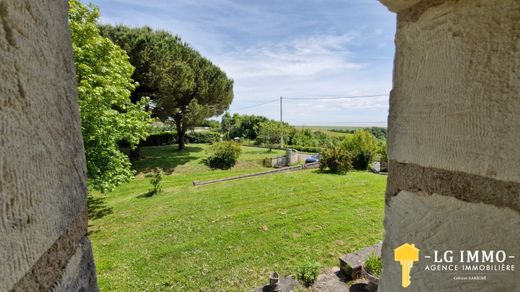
<point>156,181</point>
<point>242,126</point>
<point>378,132</point>
<point>335,159</point>
<point>203,137</point>
<point>307,273</point>
<point>214,125</point>
<point>346,131</point>
<point>363,147</point>
<point>224,155</point>
<point>186,87</point>
<point>140,45</point>
<point>307,138</point>
<point>168,138</point>
<point>374,265</point>
<point>164,138</point>
<point>361,161</point>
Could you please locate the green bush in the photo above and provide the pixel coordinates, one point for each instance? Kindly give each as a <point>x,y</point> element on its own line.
<point>374,265</point>
<point>307,273</point>
<point>224,155</point>
<point>203,137</point>
<point>336,159</point>
<point>363,147</point>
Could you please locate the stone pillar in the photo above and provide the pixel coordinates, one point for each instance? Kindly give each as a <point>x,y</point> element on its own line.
<point>43,214</point>
<point>454,141</point>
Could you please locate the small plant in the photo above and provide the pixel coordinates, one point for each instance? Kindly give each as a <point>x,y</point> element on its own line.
<point>156,181</point>
<point>307,273</point>
<point>335,159</point>
<point>224,155</point>
<point>374,265</point>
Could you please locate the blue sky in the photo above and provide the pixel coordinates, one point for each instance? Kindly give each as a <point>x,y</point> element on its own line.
<point>303,49</point>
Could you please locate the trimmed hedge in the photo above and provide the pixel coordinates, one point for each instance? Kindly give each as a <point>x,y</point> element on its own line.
<point>164,138</point>
<point>203,137</point>
<point>169,138</point>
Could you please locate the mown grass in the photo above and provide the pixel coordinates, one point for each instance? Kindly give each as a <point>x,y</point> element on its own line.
<point>229,236</point>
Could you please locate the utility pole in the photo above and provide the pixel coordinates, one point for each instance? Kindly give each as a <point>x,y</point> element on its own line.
<point>281,124</point>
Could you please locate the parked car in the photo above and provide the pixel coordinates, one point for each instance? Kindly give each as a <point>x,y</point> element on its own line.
<point>313,158</point>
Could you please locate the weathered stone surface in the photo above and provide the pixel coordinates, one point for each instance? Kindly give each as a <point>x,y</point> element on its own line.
<point>461,185</point>
<point>454,117</point>
<point>286,285</point>
<point>350,264</point>
<point>48,269</point>
<point>398,5</point>
<point>434,222</point>
<point>331,280</point>
<point>80,273</point>
<point>454,103</point>
<point>42,166</point>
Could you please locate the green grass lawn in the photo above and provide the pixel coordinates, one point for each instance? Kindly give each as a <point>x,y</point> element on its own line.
<point>228,236</point>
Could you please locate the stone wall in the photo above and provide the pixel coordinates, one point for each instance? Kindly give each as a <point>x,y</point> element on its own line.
<point>43,215</point>
<point>454,143</point>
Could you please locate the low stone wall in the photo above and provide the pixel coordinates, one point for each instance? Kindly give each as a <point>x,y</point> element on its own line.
<point>284,169</point>
<point>291,157</point>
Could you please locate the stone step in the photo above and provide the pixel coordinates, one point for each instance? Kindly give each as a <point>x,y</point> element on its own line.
<point>350,264</point>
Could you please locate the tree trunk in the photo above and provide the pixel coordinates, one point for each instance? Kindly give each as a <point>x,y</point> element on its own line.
<point>181,131</point>
<point>136,153</point>
<point>181,140</point>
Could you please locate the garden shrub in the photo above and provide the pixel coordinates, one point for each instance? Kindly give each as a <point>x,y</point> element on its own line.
<point>224,155</point>
<point>307,273</point>
<point>363,146</point>
<point>336,159</point>
<point>374,265</point>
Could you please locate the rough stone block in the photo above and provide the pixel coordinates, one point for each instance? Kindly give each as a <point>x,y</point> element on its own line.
<point>42,166</point>
<point>454,103</point>
<point>434,222</point>
<point>350,264</point>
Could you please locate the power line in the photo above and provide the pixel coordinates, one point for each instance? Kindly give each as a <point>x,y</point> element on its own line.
<point>336,97</point>
<point>256,105</point>
<point>313,98</point>
<point>340,123</point>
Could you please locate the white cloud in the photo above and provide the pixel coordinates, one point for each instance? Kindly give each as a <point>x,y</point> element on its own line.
<point>288,50</point>
<point>303,57</point>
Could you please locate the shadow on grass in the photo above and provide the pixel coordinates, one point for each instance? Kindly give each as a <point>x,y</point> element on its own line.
<point>165,157</point>
<point>97,207</point>
<point>328,171</point>
<point>148,194</point>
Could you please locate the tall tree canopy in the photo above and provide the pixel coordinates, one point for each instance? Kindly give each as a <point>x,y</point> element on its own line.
<point>108,116</point>
<point>185,87</point>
